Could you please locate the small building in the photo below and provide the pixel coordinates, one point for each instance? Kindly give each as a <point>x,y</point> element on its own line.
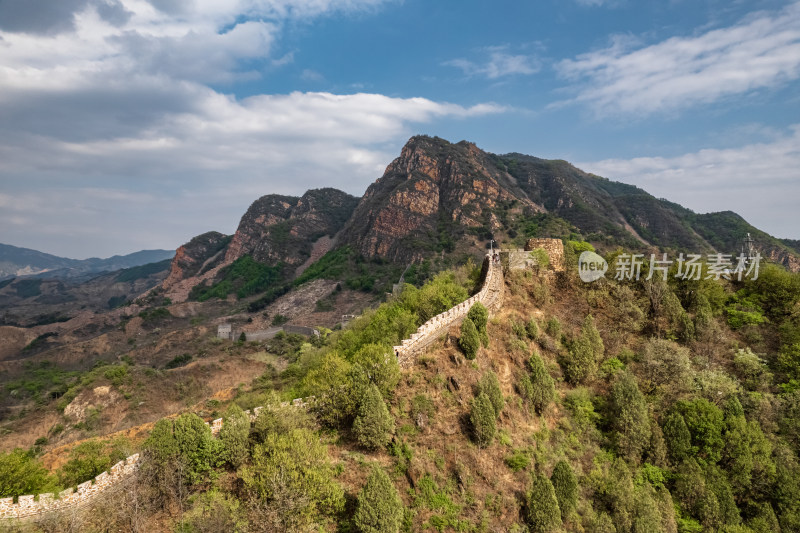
<point>224,331</point>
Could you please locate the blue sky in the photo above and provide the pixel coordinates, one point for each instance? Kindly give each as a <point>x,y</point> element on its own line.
<point>130,124</point>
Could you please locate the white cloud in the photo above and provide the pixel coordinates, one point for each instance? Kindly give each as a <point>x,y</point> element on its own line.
<point>110,128</point>
<point>200,167</point>
<point>758,181</point>
<point>499,64</point>
<point>761,51</point>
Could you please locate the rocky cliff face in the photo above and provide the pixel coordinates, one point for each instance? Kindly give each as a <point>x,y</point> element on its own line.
<point>439,196</point>
<point>197,254</point>
<point>432,197</point>
<point>284,228</point>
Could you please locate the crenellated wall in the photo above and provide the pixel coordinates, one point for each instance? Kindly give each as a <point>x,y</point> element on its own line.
<point>490,295</point>
<point>49,502</point>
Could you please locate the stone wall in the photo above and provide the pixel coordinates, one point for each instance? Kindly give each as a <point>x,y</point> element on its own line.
<point>554,249</point>
<point>68,499</point>
<point>31,505</point>
<point>490,295</point>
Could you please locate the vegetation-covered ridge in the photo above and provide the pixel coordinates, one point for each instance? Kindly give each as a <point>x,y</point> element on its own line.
<point>613,406</point>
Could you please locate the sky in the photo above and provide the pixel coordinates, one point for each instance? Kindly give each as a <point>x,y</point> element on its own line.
<point>138,124</point>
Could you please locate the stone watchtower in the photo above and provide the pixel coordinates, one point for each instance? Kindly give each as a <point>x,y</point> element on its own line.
<point>554,249</point>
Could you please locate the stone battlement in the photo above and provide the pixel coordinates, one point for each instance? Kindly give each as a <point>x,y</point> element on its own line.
<point>490,295</point>
<point>68,499</point>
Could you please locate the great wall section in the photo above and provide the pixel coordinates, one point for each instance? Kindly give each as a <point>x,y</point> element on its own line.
<point>490,295</point>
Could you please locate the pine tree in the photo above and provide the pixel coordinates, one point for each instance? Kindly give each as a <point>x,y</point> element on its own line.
<point>677,437</point>
<point>590,333</point>
<point>480,316</point>
<point>542,513</point>
<point>631,419</point>
<point>234,436</point>
<point>379,509</point>
<point>470,341</point>
<point>543,389</point>
<point>482,416</point>
<point>566,488</point>
<point>490,386</point>
<point>373,425</point>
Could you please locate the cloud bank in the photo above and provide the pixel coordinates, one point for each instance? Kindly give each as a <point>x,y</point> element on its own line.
<point>762,51</point>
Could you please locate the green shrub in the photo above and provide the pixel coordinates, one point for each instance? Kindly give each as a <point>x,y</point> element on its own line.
<point>482,417</point>
<point>178,361</point>
<point>213,512</point>
<point>379,508</point>
<point>553,328</point>
<point>88,459</point>
<point>21,473</point>
<point>373,426</point>
<point>292,475</point>
<point>532,329</point>
<point>183,444</point>
<point>469,341</point>
<point>517,461</point>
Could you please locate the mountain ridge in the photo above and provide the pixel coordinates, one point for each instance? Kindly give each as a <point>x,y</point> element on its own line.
<point>18,261</point>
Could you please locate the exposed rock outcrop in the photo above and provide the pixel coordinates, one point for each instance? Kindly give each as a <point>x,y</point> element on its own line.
<point>429,198</point>
<point>284,228</point>
<point>197,254</point>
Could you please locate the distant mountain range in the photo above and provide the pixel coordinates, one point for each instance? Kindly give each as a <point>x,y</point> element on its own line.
<point>441,199</point>
<point>16,261</point>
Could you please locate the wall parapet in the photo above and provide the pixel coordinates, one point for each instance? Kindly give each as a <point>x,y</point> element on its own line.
<point>490,295</point>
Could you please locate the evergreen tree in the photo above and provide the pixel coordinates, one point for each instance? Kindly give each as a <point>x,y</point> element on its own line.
<point>746,455</point>
<point>379,509</point>
<point>480,316</point>
<point>542,513</point>
<point>469,341</point>
<point>787,489</point>
<point>542,387</point>
<point>566,488</point>
<point>579,363</point>
<point>373,425</point>
<point>234,436</point>
<point>705,423</point>
<point>678,438</point>
<point>590,333</point>
<point>657,451</point>
<point>584,353</point>
<point>482,416</point>
<point>646,514</point>
<point>490,386</point>
<point>631,419</point>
